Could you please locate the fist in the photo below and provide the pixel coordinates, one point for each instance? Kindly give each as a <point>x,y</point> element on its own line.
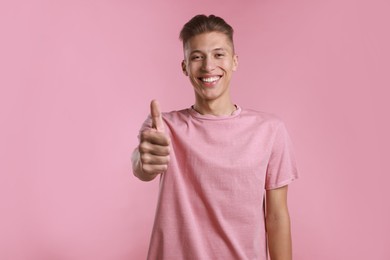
<point>154,145</point>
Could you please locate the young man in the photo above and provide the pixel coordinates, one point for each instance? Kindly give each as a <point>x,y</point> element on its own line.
<point>223,170</point>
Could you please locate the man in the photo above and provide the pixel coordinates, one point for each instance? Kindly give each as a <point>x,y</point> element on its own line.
<point>223,170</point>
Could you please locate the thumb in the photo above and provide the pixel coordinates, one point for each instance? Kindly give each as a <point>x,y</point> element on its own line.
<point>155,112</point>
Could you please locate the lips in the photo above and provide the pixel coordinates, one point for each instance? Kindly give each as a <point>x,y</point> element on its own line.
<point>209,81</point>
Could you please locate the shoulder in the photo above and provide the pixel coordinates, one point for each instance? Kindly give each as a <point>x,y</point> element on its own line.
<point>262,117</point>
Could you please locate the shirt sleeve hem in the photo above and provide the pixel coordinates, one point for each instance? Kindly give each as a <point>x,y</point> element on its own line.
<point>281,184</point>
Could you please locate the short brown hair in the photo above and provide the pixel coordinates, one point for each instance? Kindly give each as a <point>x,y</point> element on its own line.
<point>202,24</point>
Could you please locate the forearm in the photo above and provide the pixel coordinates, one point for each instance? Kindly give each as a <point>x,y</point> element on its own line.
<point>279,236</point>
<point>137,168</point>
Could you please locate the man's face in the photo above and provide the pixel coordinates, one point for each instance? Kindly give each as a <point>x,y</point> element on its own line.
<point>209,63</point>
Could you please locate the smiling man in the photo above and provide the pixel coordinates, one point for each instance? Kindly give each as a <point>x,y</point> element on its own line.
<point>209,63</point>
<point>223,169</point>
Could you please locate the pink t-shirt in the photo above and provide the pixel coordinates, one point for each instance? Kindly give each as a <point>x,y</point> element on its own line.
<point>211,198</point>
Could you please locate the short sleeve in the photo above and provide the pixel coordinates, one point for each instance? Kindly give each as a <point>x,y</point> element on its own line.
<point>282,168</point>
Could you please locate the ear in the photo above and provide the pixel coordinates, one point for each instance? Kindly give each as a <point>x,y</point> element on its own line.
<point>184,67</point>
<point>235,62</point>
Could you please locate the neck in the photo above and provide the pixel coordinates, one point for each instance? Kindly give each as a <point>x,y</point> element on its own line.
<point>215,108</point>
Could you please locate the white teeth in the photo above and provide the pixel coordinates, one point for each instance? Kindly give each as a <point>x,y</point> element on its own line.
<point>211,79</point>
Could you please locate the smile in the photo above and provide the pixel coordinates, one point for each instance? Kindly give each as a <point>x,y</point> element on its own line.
<point>210,79</point>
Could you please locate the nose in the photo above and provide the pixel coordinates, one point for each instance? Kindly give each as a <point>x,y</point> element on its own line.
<point>208,64</point>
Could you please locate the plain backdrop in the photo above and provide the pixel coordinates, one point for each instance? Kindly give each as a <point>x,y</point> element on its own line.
<point>76,81</point>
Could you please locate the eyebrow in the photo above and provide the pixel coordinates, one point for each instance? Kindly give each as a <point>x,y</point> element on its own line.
<point>216,49</point>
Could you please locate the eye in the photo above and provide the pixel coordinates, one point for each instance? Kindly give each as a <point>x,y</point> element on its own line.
<point>219,55</point>
<point>196,57</point>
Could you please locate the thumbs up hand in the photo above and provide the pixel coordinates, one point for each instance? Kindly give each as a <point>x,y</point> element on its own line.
<point>154,147</point>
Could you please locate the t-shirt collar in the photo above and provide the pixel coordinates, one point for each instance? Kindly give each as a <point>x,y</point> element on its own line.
<point>196,114</point>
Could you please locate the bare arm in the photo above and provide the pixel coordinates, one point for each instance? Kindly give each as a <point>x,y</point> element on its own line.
<point>278,224</point>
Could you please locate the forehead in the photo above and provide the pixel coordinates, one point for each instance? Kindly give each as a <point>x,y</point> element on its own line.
<point>207,42</point>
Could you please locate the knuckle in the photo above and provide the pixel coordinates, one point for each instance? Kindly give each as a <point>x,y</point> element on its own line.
<point>164,140</point>
<point>162,150</point>
<point>144,158</point>
<point>144,147</point>
<point>145,168</point>
<point>144,135</point>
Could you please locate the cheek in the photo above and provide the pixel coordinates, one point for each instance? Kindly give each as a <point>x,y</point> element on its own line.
<point>225,64</point>
<point>193,80</point>
<point>232,66</point>
<point>192,69</point>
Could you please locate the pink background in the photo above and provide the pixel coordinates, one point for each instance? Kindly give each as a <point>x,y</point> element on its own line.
<point>76,80</point>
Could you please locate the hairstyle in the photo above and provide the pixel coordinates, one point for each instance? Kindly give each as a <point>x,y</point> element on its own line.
<point>202,24</point>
